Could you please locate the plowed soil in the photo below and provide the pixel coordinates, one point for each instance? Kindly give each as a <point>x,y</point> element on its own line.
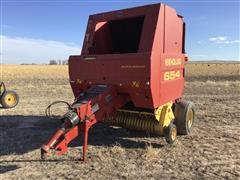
<point>211,151</point>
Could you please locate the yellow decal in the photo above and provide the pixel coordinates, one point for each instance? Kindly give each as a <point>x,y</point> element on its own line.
<point>135,84</point>
<point>173,61</point>
<point>132,66</point>
<point>170,75</point>
<point>79,81</point>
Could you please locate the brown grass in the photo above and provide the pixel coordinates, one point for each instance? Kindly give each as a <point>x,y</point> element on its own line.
<point>34,71</point>
<point>61,71</point>
<point>117,150</point>
<point>151,153</point>
<point>212,69</point>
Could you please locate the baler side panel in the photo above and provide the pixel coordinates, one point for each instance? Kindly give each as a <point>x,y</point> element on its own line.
<point>172,60</point>
<point>171,89</point>
<point>157,50</point>
<point>173,32</point>
<point>129,73</point>
<point>140,74</point>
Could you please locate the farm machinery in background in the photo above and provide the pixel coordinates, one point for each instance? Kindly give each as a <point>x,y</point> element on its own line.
<point>131,74</point>
<point>8,99</point>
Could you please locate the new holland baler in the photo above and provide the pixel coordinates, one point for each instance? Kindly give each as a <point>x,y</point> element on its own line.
<point>130,73</point>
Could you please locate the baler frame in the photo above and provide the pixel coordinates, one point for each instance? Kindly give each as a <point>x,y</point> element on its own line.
<point>100,104</point>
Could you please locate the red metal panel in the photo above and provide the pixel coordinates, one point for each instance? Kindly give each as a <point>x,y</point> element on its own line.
<point>121,70</point>
<point>139,74</point>
<point>150,12</point>
<point>173,31</point>
<point>171,89</point>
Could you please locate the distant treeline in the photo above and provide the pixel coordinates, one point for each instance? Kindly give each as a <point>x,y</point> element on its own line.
<point>58,62</point>
<point>51,62</point>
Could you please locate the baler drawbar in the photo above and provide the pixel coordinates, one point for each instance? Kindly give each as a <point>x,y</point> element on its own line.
<point>98,102</point>
<point>131,74</point>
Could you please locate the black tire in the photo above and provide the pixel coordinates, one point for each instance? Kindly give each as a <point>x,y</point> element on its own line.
<point>184,116</point>
<point>171,133</point>
<point>9,99</point>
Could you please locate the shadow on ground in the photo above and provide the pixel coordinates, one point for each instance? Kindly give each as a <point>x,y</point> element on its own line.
<point>4,169</point>
<point>21,134</point>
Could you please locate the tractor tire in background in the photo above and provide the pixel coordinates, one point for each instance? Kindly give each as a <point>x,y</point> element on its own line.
<point>184,116</point>
<point>9,99</point>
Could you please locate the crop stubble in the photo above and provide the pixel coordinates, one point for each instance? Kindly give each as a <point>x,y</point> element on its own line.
<point>211,151</point>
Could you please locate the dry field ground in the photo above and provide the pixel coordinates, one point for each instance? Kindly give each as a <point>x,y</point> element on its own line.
<point>212,151</point>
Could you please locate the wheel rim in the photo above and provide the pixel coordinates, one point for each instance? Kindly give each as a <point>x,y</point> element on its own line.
<point>10,99</point>
<point>174,134</point>
<point>190,118</point>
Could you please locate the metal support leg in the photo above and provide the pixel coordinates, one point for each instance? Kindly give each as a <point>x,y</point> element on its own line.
<point>85,140</point>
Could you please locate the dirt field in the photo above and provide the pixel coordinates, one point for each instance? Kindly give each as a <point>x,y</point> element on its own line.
<point>212,151</point>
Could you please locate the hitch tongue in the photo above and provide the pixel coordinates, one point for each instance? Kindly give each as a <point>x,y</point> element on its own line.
<point>59,140</point>
<point>46,147</point>
<point>97,102</point>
